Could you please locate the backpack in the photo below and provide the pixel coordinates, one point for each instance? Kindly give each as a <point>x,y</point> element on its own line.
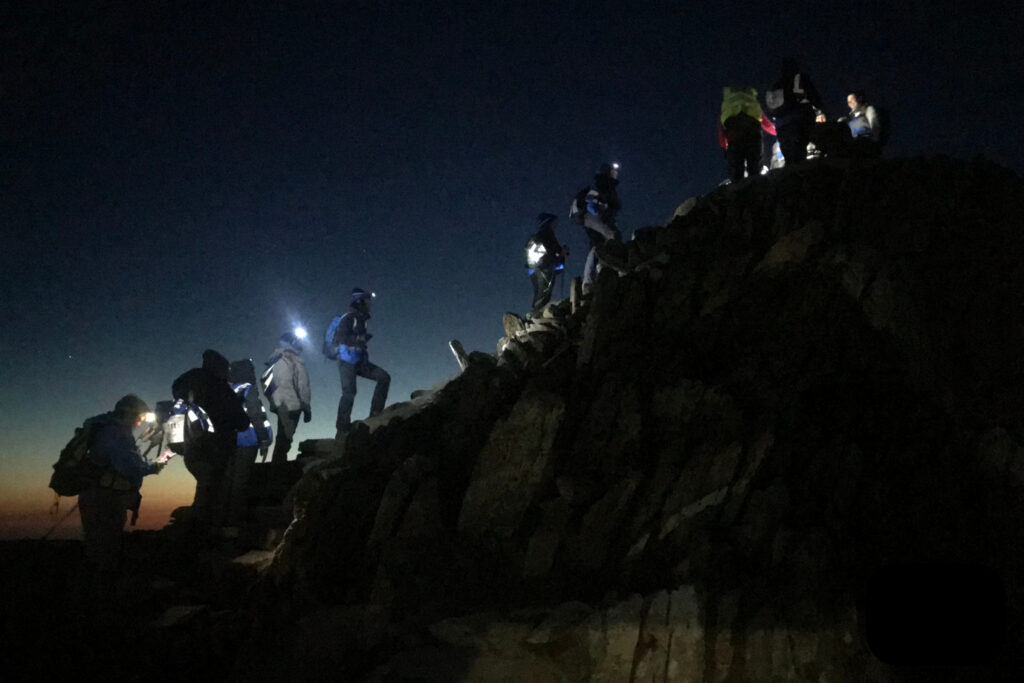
<point>73,464</point>
<point>578,208</point>
<point>330,345</point>
<point>185,424</point>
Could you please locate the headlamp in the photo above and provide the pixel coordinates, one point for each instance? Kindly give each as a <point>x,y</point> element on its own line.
<point>149,417</point>
<point>615,166</point>
<point>299,332</point>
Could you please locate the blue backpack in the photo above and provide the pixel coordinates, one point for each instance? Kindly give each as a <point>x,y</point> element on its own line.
<point>330,346</point>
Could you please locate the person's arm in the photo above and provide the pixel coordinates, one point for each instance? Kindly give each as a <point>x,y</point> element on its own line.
<point>257,415</point>
<point>723,142</point>
<point>118,447</point>
<point>302,386</point>
<point>872,116</point>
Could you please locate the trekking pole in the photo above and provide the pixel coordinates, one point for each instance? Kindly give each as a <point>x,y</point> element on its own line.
<point>59,522</point>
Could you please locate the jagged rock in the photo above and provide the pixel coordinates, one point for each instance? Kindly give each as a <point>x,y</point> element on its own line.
<point>800,380</point>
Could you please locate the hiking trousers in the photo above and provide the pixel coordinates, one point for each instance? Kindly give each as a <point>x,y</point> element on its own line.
<point>543,285</point>
<point>287,421</point>
<point>348,374</point>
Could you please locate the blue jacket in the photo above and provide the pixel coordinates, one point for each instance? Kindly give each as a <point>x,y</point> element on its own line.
<point>112,446</point>
<point>352,337</point>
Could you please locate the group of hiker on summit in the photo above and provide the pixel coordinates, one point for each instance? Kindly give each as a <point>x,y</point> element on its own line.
<point>793,113</point>
<point>223,427</point>
<point>219,402</point>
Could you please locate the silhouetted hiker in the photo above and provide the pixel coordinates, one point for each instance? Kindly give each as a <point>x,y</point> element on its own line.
<point>739,131</point>
<point>255,439</point>
<point>545,260</point>
<point>289,393</point>
<point>345,340</point>
<point>865,126</point>
<point>792,104</point>
<point>598,208</point>
<point>110,490</point>
<point>207,453</point>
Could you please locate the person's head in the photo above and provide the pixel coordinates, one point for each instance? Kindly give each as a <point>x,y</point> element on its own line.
<point>132,410</point>
<point>242,371</point>
<point>545,220</point>
<point>610,170</point>
<point>216,364</point>
<point>855,99</point>
<point>289,342</point>
<point>360,299</point>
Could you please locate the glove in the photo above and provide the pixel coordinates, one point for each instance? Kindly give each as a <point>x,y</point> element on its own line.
<point>159,467</point>
<point>307,415</point>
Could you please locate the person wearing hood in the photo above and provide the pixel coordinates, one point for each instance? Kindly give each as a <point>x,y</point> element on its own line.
<point>289,394</point>
<point>602,207</point>
<point>545,259</point>
<point>739,131</point>
<point>113,489</point>
<point>208,454</point>
<point>347,342</point>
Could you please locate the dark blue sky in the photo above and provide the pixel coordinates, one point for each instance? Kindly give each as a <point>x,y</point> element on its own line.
<point>181,175</point>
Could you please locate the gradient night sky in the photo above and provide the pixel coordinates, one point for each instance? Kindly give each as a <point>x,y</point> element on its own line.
<point>178,175</point>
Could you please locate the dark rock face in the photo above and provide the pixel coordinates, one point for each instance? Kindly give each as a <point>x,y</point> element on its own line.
<point>711,470</point>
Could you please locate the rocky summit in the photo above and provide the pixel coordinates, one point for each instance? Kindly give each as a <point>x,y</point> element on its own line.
<point>782,438</point>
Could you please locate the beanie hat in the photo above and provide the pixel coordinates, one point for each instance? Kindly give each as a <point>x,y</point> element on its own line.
<point>358,294</point>
<point>131,405</point>
<point>290,342</point>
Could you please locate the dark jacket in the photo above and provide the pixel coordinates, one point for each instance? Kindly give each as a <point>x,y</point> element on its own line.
<point>112,449</point>
<point>792,98</point>
<point>208,387</point>
<point>548,254</point>
<point>351,336</point>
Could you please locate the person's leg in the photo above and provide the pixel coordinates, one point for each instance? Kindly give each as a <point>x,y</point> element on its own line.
<point>237,483</point>
<point>286,423</point>
<point>734,162</point>
<point>793,143</point>
<point>543,284</point>
<point>380,392</point>
<point>348,395</point>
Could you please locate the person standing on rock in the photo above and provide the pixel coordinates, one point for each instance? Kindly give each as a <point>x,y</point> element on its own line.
<point>112,490</point>
<point>288,393</point>
<point>739,131</point>
<point>602,207</point>
<point>793,104</point>
<point>346,341</point>
<point>545,260</point>
<point>208,454</point>
<point>865,127</point>
<point>256,438</point>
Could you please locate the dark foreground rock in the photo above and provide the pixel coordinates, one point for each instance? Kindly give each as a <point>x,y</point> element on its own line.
<point>781,440</point>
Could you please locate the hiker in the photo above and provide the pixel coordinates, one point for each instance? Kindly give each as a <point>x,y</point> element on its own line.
<point>793,104</point>
<point>289,396</point>
<point>208,453</point>
<point>545,260</point>
<point>865,127</point>
<point>255,439</point>
<point>112,489</point>
<point>739,131</point>
<point>601,207</point>
<point>346,340</point>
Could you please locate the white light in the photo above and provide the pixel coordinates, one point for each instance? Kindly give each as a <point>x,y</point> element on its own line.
<point>300,332</point>
<point>149,417</point>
